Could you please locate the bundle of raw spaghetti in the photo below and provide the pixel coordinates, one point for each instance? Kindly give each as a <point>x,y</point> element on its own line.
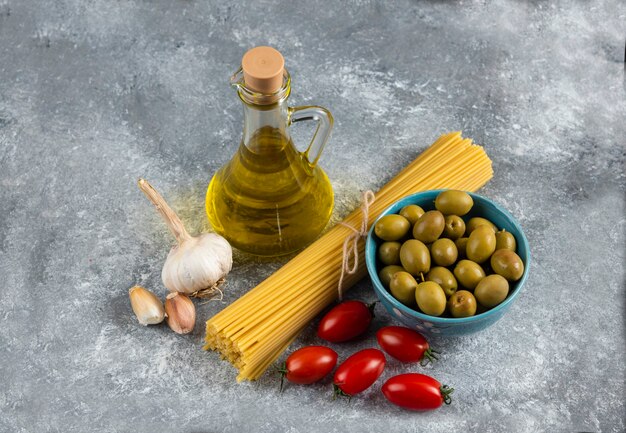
<point>254,330</point>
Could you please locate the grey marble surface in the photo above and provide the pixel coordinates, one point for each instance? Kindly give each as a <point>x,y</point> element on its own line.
<point>94,94</point>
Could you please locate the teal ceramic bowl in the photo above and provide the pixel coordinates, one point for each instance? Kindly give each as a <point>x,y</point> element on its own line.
<point>445,325</point>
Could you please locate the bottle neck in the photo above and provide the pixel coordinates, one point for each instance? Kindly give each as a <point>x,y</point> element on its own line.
<point>263,121</point>
<point>265,128</point>
<point>266,116</point>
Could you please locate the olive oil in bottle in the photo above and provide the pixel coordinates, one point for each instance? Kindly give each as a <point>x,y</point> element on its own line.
<point>270,199</point>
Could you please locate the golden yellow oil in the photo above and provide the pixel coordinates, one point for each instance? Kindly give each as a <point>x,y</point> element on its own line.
<point>268,200</point>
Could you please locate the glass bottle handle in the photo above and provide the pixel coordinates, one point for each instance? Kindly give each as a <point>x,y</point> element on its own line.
<point>324,125</point>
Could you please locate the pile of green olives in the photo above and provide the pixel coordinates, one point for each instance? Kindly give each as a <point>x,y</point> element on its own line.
<point>441,264</point>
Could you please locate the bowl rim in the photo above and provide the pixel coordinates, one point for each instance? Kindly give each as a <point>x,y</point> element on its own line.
<point>370,261</point>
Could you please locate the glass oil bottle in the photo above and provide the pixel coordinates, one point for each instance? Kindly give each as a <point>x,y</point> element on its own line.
<point>271,199</point>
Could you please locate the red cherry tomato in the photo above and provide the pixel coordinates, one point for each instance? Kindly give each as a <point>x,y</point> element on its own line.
<point>359,372</point>
<point>405,344</point>
<point>416,391</point>
<point>345,322</point>
<point>308,364</point>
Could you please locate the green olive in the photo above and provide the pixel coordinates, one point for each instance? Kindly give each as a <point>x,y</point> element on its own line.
<point>412,212</point>
<point>454,227</point>
<point>429,227</point>
<point>505,241</point>
<point>430,298</point>
<point>462,304</point>
<point>392,227</point>
<point>481,244</point>
<point>508,264</point>
<point>387,272</point>
<point>468,273</point>
<point>443,252</point>
<point>453,202</point>
<point>415,257</point>
<point>389,253</point>
<point>492,290</point>
<point>471,225</point>
<point>444,278</point>
<point>461,246</point>
<point>402,287</point>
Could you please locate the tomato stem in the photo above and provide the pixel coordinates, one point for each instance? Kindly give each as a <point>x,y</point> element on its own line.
<point>282,370</point>
<point>337,392</point>
<point>430,356</point>
<point>445,394</point>
<point>371,307</point>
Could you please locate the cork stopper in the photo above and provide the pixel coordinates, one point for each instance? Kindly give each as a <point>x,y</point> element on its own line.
<point>263,69</point>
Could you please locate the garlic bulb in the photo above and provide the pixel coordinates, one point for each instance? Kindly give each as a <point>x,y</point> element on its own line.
<point>181,313</point>
<point>197,263</point>
<point>187,271</point>
<point>146,305</point>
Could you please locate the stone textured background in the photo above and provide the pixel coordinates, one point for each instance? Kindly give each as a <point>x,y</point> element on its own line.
<point>95,93</point>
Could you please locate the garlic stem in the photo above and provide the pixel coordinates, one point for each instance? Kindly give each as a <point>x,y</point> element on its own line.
<point>169,216</point>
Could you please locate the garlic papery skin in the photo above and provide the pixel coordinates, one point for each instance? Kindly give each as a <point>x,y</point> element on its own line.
<point>196,263</point>
<point>181,313</point>
<point>146,305</point>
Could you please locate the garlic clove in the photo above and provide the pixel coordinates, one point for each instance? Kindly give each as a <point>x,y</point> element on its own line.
<point>146,305</point>
<point>181,313</point>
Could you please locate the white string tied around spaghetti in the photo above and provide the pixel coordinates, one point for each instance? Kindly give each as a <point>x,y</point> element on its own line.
<point>351,243</point>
